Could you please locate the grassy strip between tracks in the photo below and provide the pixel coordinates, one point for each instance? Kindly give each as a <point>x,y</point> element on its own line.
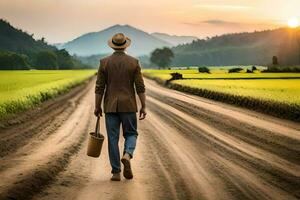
<point>21,90</point>
<point>280,98</point>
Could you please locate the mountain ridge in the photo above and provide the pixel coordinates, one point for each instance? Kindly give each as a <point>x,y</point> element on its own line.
<point>18,41</point>
<point>175,39</point>
<point>19,50</point>
<point>245,48</point>
<point>94,43</point>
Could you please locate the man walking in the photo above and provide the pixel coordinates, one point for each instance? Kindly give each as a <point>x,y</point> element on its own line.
<point>119,76</point>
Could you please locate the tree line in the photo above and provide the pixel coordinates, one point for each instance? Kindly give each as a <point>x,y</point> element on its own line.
<point>276,48</point>
<point>47,60</point>
<point>242,49</point>
<point>19,50</point>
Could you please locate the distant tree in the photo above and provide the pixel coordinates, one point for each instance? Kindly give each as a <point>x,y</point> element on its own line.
<point>92,61</point>
<point>46,60</point>
<point>64,59</point>
<point>203,70</point>
<point>234,70</point>
<point>176,76</point>
<point>275,60</point>
<point>78,64</point>
<point>38,52</point>
<point>249,71</point>
<point>254,68</point>
<point>162,57</point>
<point>12,61</point>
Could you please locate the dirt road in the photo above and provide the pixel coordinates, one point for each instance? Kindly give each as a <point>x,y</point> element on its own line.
<point>188,148</point>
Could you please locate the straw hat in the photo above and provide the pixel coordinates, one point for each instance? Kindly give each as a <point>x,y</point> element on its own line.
<point>119,41</point>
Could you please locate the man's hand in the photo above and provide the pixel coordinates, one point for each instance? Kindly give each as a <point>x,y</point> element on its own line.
<point>98,112</point>
<point>143,113</point>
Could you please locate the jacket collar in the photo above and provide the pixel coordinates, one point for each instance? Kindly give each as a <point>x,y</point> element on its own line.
<point>119,52</point>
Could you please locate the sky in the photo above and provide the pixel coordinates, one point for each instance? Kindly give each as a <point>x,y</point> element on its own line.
<point>64,20</point>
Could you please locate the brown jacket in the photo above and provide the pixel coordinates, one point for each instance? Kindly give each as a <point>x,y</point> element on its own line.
<point>117,76</point>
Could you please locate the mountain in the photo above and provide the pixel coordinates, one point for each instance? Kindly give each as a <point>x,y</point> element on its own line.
<point>174,39</point>
<point>19,50</point>
<point>96,42</point>
<point>18,41</point>
<point>59,45</point>
<point>242,49</point>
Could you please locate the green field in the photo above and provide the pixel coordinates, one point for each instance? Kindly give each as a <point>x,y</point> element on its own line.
<point>215,74</point>
<point>20,90</point>
<point>284,91</point>
<point>276,89</point>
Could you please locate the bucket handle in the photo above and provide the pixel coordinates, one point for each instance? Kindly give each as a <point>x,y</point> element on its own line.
<point>97,127</point>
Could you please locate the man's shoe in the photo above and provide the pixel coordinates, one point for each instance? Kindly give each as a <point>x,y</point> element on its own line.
<point>127,173</point>
<point>116,177</point>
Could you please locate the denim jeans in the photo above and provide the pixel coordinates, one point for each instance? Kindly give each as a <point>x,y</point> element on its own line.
<point>129,126</point>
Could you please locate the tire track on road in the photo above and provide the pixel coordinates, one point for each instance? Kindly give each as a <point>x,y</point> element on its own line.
<point>285,147</point>
<point>274,125</point>
<point>275,170</point>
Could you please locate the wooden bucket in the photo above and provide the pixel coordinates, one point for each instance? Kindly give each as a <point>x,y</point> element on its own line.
<point>95,141</point>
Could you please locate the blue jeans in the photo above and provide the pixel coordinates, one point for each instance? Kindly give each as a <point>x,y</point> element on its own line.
<point>129,126</point>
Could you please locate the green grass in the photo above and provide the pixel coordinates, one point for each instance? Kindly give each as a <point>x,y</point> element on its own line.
<point>277,94</point>
<point>243,75</point>
<point>283,91</point>
<point>279,90</point>
<point>215,73</point>
<point>20,90</point>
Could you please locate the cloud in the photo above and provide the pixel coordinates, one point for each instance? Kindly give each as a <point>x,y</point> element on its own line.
<point>232,26</point>
<point>220,22</point>
<point>216,22</point>
<point>222,7</point>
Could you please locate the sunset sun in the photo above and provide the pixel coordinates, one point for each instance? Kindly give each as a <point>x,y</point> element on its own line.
<point>293,23</point>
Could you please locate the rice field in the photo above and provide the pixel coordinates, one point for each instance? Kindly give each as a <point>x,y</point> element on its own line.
<point>20,90</point>
<point>194,74</point>
<point>277,90</point>
<point>277,94</point>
